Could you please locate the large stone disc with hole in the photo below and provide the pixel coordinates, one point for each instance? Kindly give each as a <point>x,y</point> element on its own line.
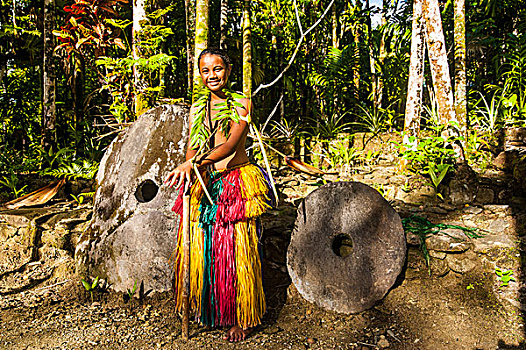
<point>132,233</point>
<point>347,248</point>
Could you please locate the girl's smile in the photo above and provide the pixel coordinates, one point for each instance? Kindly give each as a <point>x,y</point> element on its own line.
<point>214,72</point>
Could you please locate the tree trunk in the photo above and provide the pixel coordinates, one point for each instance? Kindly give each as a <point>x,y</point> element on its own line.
<point>77,91</point>
<point>139,14</point>
<point>438,61</point>
<point>382,55</point>
<point>372,60</point>
<point>189,52</point>
<point>247,50</point>
<point>356,70</point>
<point>436,47</point>
<point>460,67</point>
<point>335,38</point>
<point>223,24</point>
<point>416,73</point>
<point>202,21</point>
<point>49,117</point>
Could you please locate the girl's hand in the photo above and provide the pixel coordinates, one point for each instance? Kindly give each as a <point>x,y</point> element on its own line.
<point>181,174</point>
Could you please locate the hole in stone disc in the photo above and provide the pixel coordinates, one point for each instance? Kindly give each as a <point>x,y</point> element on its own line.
<point>146,191</point>
<point>342,245</point>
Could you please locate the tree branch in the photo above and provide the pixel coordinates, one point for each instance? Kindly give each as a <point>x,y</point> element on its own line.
<point>300,41</point>
<point>298,18</point>
<point>271,114</point>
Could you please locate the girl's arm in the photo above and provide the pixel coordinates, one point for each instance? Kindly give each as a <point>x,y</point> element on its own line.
<point>238,132</point>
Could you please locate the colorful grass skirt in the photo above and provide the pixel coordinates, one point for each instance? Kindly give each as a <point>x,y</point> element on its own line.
<point>225,264</point>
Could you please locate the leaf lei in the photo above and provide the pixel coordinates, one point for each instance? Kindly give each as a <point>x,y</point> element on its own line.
<point>199,135</point>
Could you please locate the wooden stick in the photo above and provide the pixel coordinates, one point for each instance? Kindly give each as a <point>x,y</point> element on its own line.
<point>186,262</point>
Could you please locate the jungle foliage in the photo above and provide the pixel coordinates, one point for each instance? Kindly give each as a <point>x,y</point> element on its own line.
<point>350,74</point>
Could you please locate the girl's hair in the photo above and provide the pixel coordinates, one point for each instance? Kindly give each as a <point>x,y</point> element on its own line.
<point>217,52</point>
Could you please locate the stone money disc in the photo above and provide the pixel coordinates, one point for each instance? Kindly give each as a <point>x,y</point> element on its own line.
<point>132,233</point>
<point>347,248</point>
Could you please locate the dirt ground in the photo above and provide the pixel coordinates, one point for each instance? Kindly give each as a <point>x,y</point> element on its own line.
<point>421,311</point>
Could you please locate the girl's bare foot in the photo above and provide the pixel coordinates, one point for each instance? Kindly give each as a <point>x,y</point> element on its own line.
<point>236,334</point>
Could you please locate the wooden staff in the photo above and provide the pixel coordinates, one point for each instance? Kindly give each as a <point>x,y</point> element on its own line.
<point>186,261</point>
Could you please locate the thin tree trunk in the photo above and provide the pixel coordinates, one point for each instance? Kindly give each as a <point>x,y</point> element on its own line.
<point>382,55</point>
<point>139,14</point>
<point>202,20</point>
<point>372,60</point>
<point>438,61</point>
<point>247,50</point>
<point>189,52</point>
<point>436,47</point>
<point>335,38</point>
<point>416,73</point>
<point>223,24</point>
<point>77,91</point>
<point>460,66</point>
<point>49,117</point>
<point>356,72</point>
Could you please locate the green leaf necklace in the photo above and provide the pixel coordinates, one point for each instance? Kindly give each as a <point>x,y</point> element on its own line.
<point>226,112</point>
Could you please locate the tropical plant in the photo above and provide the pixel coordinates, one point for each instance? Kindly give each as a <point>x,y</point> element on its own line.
<point>11,183</point>
<point>131,292</point>
<point>421,154</point>
<point>376,119</point>
<point>82,169</point>
<point>80,198</point>
<point>285,129</point>
<point>329,127</point>
<point>48,159</point>
<point>339,155</point>
<point>487,115</point>
<point>504,277</point>
<point>437,173</point>
<point>90,287</point>
<point>119,77</point>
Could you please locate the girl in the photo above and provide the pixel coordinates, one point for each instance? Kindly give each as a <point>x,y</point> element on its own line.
<point>225,282</point>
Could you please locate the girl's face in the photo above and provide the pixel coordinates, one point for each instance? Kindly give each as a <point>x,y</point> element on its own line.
<point>214,72</point>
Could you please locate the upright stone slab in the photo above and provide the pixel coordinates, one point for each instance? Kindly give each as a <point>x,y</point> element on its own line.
<point>132,233</point>
<point>347,248</point>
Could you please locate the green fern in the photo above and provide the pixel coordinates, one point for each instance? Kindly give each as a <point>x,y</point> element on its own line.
<point>78,170</point>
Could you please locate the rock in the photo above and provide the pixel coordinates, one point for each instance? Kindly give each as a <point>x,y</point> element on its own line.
<point>383,342</point>
<point>131,235</point>
<point>443,243</point>
<point>462,187</point>
<point>472,210</point>
<point>412,239</point>
<point>462,263</point>
<point>447,206</point>
<point>438,267</point>
<point>436,210</point>
<point>504,196</point>
<point>519,172</point>
<point>345,214</point>
<point>498,226</point>
<point>503,209</point>
<point>506,160</point>
<point>437,254</point>
<point>485,195</point>
<point>488,242</point>
<point>455,233</point>
<point>514,138</point>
